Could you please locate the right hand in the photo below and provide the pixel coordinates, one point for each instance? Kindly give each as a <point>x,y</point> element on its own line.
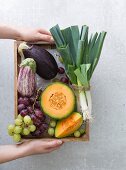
<point>39,146</point>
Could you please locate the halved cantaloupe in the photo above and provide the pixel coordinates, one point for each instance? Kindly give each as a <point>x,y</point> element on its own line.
<point>58,100</point>
<point>69,125</point>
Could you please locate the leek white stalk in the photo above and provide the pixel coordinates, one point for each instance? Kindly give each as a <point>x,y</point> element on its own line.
<point>89,102</point>
<point>83,102</point>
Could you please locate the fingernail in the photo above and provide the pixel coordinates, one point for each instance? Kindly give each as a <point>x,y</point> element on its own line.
<point>52,39</point>
<point>59,142</point>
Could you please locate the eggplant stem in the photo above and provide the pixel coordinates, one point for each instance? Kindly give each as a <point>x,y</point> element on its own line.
<point>21,47</point>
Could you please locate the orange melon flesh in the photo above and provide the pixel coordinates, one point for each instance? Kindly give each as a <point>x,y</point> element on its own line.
<point>69,125</point>
<point>58,100</point>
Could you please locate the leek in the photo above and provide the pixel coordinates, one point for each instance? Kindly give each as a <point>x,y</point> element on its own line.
<point>80,56</point>
<point>83,102</point>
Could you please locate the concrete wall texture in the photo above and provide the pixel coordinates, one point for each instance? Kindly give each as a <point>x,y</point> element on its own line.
<point>107,147</point>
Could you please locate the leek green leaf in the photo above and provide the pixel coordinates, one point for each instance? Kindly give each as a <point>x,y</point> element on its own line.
<point>57,35</point>
<point>71,74</point>
<point>75,36</point>
<point>84,32</point>
<point>98,49</point>
<point>66,55</point>
<point>81,74</point>
<point>71,36</point>
<point>80,53</point>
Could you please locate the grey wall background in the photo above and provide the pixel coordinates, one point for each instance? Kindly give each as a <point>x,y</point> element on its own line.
<point>107,147</point>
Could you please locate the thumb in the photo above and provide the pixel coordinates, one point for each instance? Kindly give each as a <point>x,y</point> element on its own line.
<point>54,143</point>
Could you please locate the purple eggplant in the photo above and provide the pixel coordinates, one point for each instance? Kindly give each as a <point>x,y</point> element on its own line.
<point>46,64</point>
<point>26,83</point>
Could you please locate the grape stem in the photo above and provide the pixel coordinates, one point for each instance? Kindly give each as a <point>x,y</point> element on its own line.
<point>37,95</point>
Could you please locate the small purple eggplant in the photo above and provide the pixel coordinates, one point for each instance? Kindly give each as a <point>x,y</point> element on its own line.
<point>46,65</point>
<point>26,83</point>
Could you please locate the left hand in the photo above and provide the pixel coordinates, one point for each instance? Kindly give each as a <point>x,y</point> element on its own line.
<point>34,35</point>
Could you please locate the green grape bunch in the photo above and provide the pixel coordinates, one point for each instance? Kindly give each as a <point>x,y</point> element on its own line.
<point>21,126</point>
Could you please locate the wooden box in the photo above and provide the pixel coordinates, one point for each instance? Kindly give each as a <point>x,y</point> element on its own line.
<point>17,60</point>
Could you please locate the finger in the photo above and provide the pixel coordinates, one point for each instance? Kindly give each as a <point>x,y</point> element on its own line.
<point>48,150</point>
<point>44,31</point>
<point>43,37</point>
<point>53,144</point>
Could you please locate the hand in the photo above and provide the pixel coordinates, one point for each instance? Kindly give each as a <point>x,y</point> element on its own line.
<point>26,34</point>
<point>31,147</point>
<point>34,35</point>
<point>38,146</point>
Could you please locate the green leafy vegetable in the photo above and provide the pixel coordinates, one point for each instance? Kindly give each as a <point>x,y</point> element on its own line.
<point>80,56</point>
